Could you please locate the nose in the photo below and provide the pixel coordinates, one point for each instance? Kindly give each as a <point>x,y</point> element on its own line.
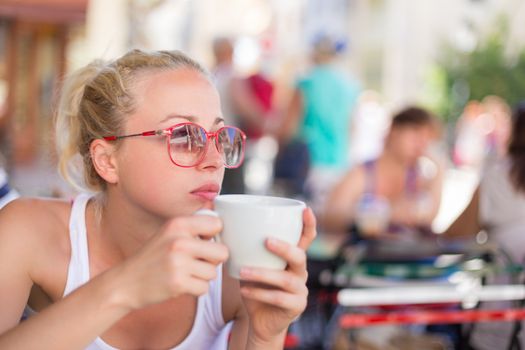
<point>424,142</point>
<point>212,156</point>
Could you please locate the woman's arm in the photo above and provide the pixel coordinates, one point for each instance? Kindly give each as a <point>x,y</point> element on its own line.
<point>291,118</point>
<point>340,204</point>
<point>71,323</point>
<point>171,264</point>
<point>467,223</point>
<point>243,337</point>
<point>436,189</point>
<point>246,104</point>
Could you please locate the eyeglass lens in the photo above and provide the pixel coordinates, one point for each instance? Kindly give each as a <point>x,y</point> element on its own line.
<point>188,144</point>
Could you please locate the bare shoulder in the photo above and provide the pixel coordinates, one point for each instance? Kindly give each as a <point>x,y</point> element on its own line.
<point>30,225</point>
<point>352,179</point>
<point>32,241</point>
<point>357,172</point>
<point>30,213</point>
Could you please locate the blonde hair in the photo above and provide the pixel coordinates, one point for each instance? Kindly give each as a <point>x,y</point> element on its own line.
<point>94,103</point>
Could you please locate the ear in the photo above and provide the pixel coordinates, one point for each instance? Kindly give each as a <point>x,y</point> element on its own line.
<point>104,161</point>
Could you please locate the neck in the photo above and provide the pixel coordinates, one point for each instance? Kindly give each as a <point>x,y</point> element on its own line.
<point>123,227</point>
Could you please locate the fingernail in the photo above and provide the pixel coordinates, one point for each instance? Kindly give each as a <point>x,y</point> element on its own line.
<point>273,242</point>
<point>205,212</point>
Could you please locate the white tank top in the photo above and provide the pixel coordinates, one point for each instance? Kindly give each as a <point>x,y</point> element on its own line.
<point>209,330</point>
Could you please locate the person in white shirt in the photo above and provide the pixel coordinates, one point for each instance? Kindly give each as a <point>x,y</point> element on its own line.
<point>498,207</point>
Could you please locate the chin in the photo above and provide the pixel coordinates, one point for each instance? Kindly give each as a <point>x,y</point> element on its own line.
<point>197,202</point>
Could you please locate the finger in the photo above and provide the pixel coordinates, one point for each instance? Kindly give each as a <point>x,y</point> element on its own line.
<point>294,255</point>
<point>196,286</point>
<point>283,280</point>
<point>190,276</point>
<point>213,252</point>
<point>209,251</point>
<point>276,297</point>
<point>203,226</point>
<point>202,270</point>
<point>309,229</point>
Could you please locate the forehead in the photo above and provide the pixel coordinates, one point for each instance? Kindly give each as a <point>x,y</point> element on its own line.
<point>422,131</point>
<point>413,128</point>
<point>162,93</point>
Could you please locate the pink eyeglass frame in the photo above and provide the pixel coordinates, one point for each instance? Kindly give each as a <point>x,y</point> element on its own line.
<point>209,135</point>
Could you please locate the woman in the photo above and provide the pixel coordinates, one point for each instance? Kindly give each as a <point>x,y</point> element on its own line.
<point>498,207</point>
<point>498,203</point>
<point>130,267</point>
<point>400,189</point>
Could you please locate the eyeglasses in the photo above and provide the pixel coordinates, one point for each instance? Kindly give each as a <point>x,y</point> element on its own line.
<point>188,142</point>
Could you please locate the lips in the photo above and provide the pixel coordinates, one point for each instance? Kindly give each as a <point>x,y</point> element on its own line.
<point>207,191</point>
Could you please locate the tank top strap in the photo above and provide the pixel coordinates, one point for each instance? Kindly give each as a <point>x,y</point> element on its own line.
<point>78,271</point>
<point>214,302</point>
<point>411,181</point>
<point>370,177</point>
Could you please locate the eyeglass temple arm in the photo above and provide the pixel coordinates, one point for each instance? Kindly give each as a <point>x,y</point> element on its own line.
<point>145,133</point>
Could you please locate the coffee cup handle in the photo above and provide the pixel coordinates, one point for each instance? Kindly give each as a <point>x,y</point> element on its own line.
<point>209,212</point>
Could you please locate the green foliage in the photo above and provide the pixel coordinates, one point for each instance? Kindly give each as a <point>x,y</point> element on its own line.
<point>487,70</point>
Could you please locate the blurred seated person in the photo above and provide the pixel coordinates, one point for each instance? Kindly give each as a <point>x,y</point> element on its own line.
<point>498,203</point>
<point>498,207</point>
<point>398,191</point>
<point>7,193</point>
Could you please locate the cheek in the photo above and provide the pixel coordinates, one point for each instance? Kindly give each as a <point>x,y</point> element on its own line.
<point>406,146</point>
<point>423,145</point>
<point>143,161</point>
<point>149,180</point>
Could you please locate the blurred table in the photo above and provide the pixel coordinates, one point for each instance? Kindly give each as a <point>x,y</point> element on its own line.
<point>326,245</point>
<point>423,281</point>
<point>406,280</point>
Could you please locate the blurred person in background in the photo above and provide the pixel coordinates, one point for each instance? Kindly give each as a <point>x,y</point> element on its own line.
<point>470,137</point>
<point>399,190</point>
<point>256,114</point>
<point>498,207</point>
<point>7,194</point>
<point>501,125</point>
<point>319,117</point>
<point>246,103</point>
<point>127,264</point>
<point>482,132</point>
<point>369,127</point>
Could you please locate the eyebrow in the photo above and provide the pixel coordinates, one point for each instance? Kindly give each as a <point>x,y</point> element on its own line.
<point>189,118</point>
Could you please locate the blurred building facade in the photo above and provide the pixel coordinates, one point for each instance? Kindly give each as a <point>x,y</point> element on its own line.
<point>34,39</point>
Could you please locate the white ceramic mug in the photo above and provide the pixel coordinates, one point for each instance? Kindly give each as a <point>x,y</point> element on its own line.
<point>249,220</point>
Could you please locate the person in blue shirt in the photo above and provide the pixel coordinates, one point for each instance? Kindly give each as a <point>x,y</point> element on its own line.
<point>319,116</point>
